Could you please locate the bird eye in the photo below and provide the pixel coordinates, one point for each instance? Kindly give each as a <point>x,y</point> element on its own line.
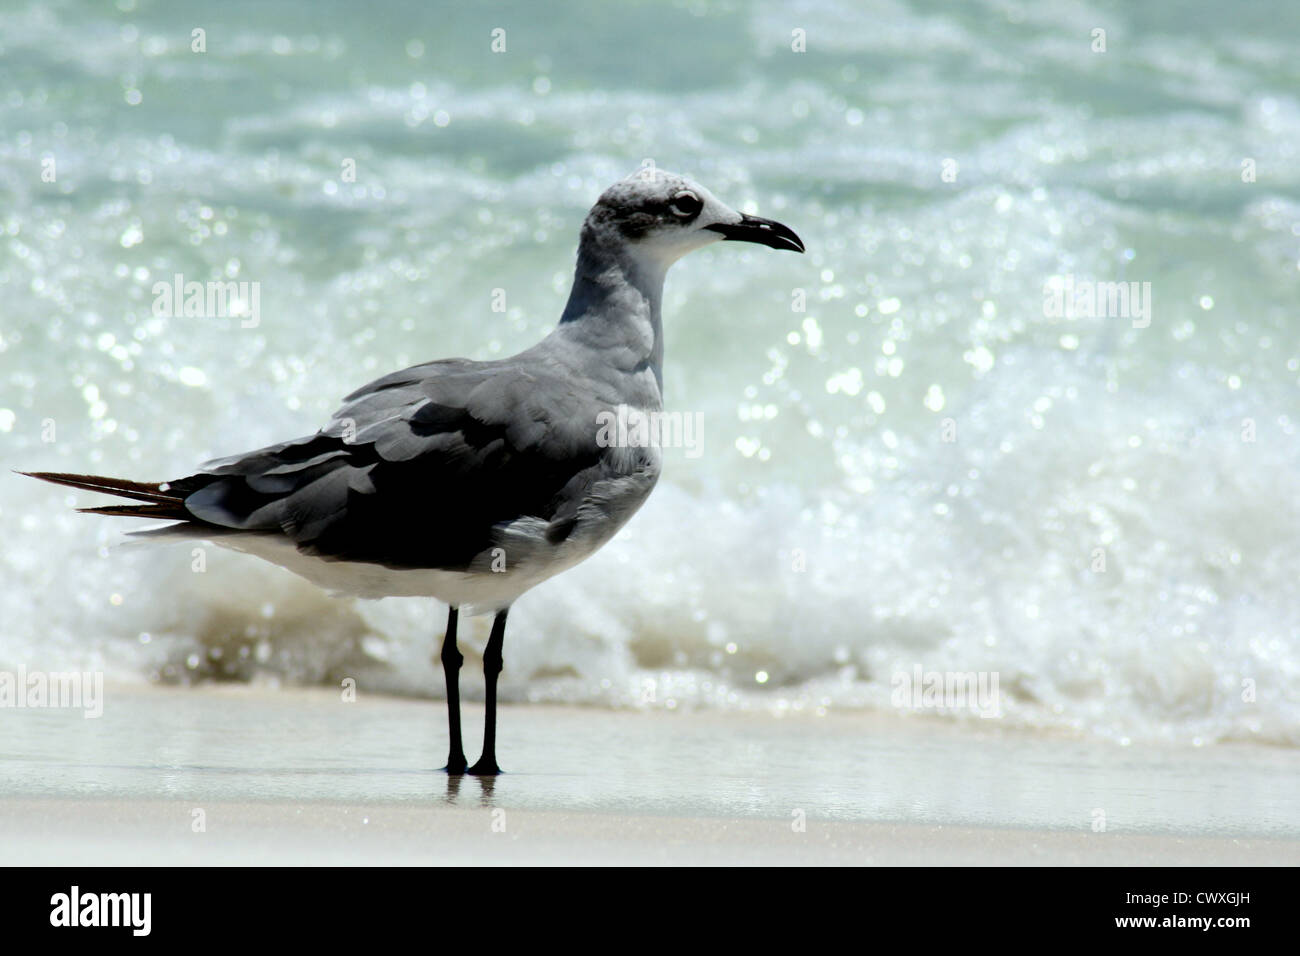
<point>686,205</point>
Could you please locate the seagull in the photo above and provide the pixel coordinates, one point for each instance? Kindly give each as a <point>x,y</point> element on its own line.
<point>473,482</point>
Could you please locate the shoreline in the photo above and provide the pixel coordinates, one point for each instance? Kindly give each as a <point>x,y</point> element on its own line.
<point>161,832</point>
<point>296,775</point>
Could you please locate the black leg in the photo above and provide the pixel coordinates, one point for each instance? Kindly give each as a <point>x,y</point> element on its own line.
<point>451,661</point>
<point>492,664</point>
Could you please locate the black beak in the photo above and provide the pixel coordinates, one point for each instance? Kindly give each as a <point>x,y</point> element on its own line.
<point>765,232</point>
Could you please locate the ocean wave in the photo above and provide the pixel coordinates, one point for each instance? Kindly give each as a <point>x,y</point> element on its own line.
<point>918,470</point>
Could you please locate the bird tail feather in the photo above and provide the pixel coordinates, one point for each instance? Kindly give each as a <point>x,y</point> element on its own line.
<point>161,500</point>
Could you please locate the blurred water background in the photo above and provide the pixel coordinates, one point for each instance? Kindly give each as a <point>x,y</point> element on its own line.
<point>925,467</point>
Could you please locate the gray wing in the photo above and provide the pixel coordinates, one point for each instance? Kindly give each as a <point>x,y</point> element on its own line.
<point>418,469</point>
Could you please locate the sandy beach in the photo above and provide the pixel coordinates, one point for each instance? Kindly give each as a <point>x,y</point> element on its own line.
<point>237,774</point>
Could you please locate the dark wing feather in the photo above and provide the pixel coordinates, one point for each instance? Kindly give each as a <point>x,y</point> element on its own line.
<point>417,469</point>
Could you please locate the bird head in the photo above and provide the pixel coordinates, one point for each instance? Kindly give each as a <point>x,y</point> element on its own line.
<point>660,216</point>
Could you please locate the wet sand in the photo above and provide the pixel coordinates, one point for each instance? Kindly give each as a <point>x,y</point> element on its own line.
<point>244,774</point>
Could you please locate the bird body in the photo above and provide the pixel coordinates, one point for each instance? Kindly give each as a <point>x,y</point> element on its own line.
<point>472,482</point>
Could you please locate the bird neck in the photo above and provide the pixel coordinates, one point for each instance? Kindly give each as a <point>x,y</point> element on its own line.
<point>614,306</point>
